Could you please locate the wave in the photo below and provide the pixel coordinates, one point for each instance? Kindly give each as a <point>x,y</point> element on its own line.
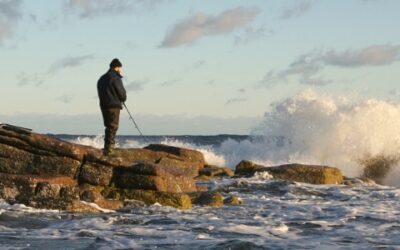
<point>310,128</point>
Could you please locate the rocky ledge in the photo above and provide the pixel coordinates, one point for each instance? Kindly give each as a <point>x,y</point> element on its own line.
<point>44,172</point>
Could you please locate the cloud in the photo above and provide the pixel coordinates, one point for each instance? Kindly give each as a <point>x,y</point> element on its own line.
<point>252,34</point>
<point>69,62</point>
<point>197,65</point>
<point>376,55</point>
<point>236,100</point>
<point>65,98</point>
<point>94,8</point>
<point>25,79</point>
<point>308,66</point>
<point>136,86</point>
<point>200,25</point>
<point>298,9</point>
<point>10,15</point>
<point>169,83</point>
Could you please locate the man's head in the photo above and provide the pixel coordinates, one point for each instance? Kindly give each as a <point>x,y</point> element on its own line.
<point>116,65</point>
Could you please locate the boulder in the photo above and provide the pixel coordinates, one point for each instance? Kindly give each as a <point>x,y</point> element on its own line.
<point>95,174</point>
<point>313,174</point>
<point>181,200</point>
<point>212,198</point>
<point>248,168</point>
<point>215,172</point>
<point>233,200</point>
<point>196,158</point>
<point>377,168</point>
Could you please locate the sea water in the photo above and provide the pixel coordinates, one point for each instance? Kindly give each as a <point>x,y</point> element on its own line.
<point>308,128</point>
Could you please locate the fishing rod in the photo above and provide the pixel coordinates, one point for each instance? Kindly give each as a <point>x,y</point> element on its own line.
<point>133,120</point>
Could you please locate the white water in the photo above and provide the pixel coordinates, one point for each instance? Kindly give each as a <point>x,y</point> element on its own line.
<point>320,129</point>
<point>310,128</point>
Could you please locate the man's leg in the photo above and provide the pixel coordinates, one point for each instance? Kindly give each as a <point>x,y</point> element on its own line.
<point>111,122</point>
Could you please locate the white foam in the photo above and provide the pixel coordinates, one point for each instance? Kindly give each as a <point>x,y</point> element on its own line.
<point>96,142</point>
<point>320,129</point>
<point>211,157</point>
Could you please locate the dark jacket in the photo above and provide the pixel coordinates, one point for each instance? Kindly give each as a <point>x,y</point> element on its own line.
<point>111,91</point>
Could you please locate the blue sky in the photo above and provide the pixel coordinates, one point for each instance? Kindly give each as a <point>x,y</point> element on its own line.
<point>191,67</point>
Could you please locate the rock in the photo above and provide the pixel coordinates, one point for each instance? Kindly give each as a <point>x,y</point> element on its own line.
<point>171,184</point>
<point>158,169</point>
<point>377,168</point>
<point>215,171</point>
<point>16,161</point>
<point>181,201</point>
<point>248,168</point>
<point>96,174</point>
<point>307,173</point>
<point>193,156</point>
<point>294,172</point>
<point>45,172</point>
<point>214,199</point>
<point>233,200</point>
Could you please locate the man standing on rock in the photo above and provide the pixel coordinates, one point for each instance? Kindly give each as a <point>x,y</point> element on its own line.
<point>112,94</point>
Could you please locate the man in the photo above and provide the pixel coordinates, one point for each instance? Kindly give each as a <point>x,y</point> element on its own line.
<point>112,94</point>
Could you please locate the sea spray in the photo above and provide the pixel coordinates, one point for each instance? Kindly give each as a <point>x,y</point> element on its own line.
<point>308,128</point>
<point>320,129</point>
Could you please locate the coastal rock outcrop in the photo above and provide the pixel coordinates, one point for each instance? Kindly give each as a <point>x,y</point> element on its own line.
<point>45,172</point>
<point>293,172</point>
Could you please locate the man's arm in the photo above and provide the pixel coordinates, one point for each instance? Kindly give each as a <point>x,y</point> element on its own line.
<point>119,88</point>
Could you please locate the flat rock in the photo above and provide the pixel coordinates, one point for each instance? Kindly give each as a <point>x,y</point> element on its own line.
<point>313,174</point>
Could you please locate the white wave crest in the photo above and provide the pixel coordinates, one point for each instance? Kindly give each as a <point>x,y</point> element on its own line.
<point>319,129</point>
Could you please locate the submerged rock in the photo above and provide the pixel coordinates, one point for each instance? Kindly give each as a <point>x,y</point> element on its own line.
<point>313,174</point>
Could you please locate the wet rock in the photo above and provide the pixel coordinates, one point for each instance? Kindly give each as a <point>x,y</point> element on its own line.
<point>248,168</point>
<point>233,200</point>
<point>171,184</point>
<point>312,174</point>
<point>130,204</point>
<point>213,199</point>
<point>307,173</point>
<point>181,201</point>
<point>378,167</point>
<point>95,174</point>
<point>45,190</point>
<point>90,195</point>
<point>215,172</point>
<point>16,161</point>
<point>193,156</point>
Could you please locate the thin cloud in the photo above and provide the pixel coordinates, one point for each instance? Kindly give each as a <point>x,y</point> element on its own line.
<point>169,83</point>
<point>136,86</point>
<point>197,65</point>
<point>200,25</point>
<point>65,98</point>
<point>25,79</point>
<point>297,10</point>
<point>69,62</point>
<point>308,66</point>
<point>10,15</point>
<point>236,100</point>
<point>251,34</point>
<point>95,8</point>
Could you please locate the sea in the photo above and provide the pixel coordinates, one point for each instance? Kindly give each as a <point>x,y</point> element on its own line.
<point>275,214</point>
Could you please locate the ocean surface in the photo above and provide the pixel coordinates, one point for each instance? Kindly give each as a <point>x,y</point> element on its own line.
<point>275,214</point>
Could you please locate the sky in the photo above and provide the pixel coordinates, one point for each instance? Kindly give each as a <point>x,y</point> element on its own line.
<point>190,67</point>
